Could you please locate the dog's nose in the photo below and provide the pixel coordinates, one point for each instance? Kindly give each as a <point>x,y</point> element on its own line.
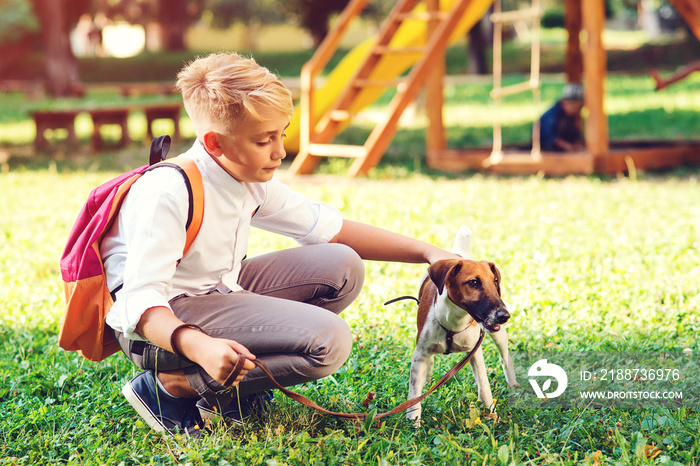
<point>502,316</point>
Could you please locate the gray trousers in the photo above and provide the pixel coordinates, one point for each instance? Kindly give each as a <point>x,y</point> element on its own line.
<point>282,317</point>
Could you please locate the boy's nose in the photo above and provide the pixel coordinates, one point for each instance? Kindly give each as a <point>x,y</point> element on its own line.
<point>278,152</point>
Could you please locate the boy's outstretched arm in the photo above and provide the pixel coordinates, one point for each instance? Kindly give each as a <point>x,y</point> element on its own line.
<point>373,243</point>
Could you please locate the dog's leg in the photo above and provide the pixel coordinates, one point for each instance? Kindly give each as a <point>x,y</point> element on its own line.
<point>482,381</point>
<point>429,368</point>
<point>422,361</point>
<point>500,338</point>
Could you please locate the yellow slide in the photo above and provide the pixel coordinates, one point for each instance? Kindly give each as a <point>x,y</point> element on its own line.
<point>690,11</point>
<point>411,33</point>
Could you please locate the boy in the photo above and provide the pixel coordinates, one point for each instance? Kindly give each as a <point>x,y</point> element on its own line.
<point>185,320</point>
<point>560,129</point>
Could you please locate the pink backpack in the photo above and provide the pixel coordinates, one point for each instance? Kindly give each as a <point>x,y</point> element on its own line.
<point>87,296</point>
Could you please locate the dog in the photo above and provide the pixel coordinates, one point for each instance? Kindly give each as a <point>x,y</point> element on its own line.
<point>457,298</point>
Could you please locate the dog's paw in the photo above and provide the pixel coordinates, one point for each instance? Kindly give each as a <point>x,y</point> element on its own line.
<point>415,421</point>
<point>414,414</point>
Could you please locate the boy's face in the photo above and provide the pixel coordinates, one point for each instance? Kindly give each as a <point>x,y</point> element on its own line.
<point>571,106</point>
<point>254,149</point>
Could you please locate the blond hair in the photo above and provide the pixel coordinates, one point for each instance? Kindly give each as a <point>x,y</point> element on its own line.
<point>221,89</point>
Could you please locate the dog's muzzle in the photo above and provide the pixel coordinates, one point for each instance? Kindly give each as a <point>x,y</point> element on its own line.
<point>493,324</point>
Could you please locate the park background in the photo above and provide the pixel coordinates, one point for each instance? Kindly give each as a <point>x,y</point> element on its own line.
<point>595,263</point>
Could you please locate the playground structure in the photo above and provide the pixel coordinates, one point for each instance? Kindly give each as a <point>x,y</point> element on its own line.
<point>413,39</point>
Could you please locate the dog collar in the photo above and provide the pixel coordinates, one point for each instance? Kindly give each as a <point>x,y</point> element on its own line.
<point>449,335</point>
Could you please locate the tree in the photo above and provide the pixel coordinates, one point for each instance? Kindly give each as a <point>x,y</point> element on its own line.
<point>18,34</point>
<point>61,67</point>
<point>476,48</point>
<point>223,13</point>
<point>313,15</point>
<point>173,16</point>
<point>16,20</point>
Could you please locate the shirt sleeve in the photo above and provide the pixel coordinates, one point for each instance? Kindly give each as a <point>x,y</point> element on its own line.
<point>152,224</point>
<point>292,214</point>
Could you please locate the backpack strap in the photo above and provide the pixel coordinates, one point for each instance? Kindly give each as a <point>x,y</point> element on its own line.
<point>159,149</point>
<point>195,190</point>
<point>193,179</point>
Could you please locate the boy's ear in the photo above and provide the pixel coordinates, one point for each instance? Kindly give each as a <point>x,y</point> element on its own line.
<point>210,140</point>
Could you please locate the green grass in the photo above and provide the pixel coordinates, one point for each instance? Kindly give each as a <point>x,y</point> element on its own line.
<point>588,264</point>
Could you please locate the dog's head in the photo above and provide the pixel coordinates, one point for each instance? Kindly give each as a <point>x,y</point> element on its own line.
<point>475,286</point>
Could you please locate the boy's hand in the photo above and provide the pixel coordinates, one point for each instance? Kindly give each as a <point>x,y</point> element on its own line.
<point>217,356</point>
<point>437,254</point>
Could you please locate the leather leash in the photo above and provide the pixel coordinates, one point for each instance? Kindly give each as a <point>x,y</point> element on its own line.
<point>362,416</point>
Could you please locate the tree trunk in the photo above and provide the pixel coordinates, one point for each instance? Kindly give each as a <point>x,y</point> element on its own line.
<point>477,50</point>
<point>174,21</point>
<point>318,33</point>
<point>61,67</point>
<point>250,34</point>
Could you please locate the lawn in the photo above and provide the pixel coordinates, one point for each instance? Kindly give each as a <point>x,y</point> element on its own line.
<point>588,264</point>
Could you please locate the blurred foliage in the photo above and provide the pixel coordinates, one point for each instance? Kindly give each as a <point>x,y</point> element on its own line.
<point>16,20</point>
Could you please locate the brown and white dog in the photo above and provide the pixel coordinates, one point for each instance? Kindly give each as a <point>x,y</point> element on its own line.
<point>456,299</point>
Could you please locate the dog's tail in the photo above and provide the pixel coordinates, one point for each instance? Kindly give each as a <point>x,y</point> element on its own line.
<point>400,298</point>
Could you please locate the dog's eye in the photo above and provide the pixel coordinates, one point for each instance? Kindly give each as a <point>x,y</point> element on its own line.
<point>495,280</point>
<point>474,283</point>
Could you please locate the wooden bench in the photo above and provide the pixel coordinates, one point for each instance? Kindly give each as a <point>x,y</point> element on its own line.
<point>163,111</point>
<point>65,119</point>
<point>109,116</point>
<point>54,119</point>
<point>145,88</point>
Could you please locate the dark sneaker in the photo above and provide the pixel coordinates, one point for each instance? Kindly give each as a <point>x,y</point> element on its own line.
<point>161,411</point>
<point>255,404</point>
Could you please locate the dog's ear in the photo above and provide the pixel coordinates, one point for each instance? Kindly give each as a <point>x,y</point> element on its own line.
<point>439,270</point>
<point>497,274</point>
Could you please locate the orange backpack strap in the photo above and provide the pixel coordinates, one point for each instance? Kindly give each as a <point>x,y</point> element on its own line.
<point>195,188</point>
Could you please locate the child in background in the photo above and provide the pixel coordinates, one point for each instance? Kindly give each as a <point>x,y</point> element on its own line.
<point>186,320</point>
<point>560,126</point>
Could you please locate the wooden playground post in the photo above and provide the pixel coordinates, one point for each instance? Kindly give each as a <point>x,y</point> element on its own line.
<point>595,72</point>
<point>304,162</point>
<point>573,60</point>
<point>435,132</point>
<point>497,151</point>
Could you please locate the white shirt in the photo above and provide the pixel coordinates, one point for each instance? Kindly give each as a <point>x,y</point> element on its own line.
<point>142,248</point>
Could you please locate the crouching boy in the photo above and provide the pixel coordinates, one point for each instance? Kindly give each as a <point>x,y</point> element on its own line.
<point>185,320</point>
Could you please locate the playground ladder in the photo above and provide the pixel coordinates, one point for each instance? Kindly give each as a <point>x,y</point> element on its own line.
<point>316,136</point>
<point>498,18</point>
